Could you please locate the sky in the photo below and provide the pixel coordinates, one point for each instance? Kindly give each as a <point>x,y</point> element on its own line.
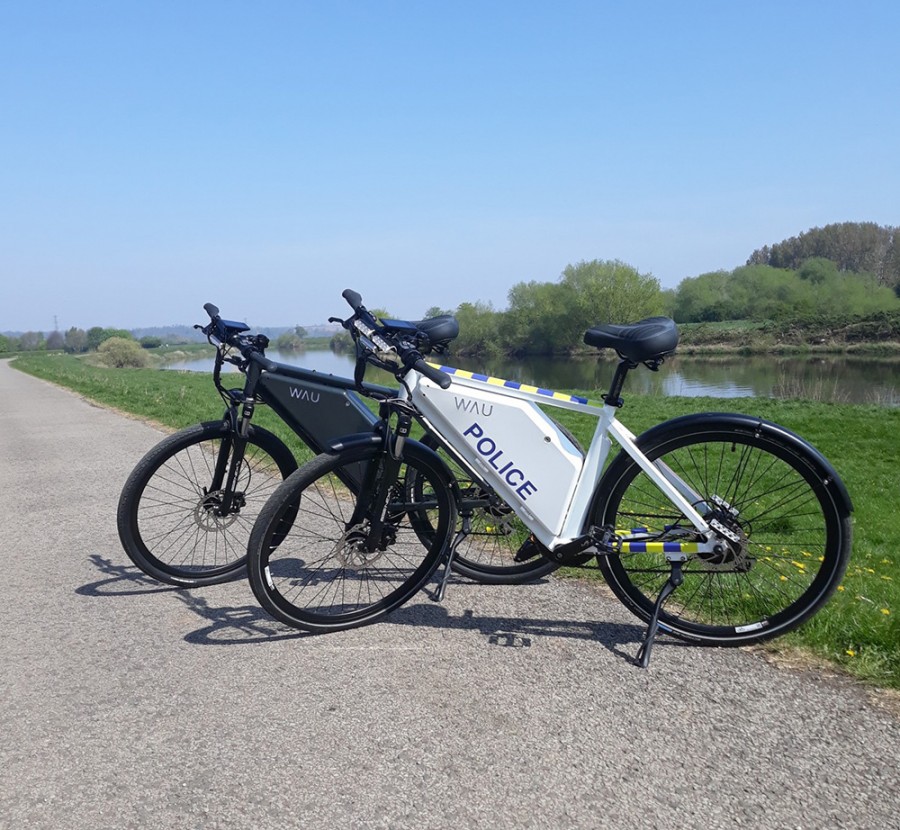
<point>266,155</point>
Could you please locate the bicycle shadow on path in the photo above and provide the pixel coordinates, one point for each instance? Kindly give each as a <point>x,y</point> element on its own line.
<point>121,581</point>
<point>519,632</point>
<point>251,625</point>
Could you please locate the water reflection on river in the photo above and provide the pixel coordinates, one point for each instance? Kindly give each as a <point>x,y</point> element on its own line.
<point>843,379</point>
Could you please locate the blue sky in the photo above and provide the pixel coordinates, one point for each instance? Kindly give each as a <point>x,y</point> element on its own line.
<point>266,155</point>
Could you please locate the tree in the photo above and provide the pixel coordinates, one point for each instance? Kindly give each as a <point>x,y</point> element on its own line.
<point>856,247</point>
<point>478,326</point>
<point>289,342</point>
<point>55,340</point>
<point>31,341</point>
<point>121,352</point>
<point>76,340</point>
<point>436,311</point>
<point>5,343</point>
<point>97,335</point>
<point>150,342</point>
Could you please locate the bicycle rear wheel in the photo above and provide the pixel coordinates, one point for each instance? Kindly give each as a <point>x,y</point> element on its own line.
<point>167,516</point>
<point>791,532</point>
<point>307,562</point>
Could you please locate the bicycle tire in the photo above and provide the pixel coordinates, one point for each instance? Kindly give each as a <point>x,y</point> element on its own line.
<point>166,519</point>
<point>306,565</point>
<point>794,528</point>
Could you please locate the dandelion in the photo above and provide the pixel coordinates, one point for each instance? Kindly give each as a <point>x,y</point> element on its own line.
<point>885,561</point>
<point>886,611</point>
<point>851,652</point>
<point>887,578</point>
<point>870,570</point>
<point>840,587</point>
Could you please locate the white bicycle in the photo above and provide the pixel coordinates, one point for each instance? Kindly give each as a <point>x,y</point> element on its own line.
<point>746,520</point>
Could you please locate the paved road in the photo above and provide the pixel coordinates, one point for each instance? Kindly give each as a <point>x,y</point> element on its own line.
<point>126,704</point>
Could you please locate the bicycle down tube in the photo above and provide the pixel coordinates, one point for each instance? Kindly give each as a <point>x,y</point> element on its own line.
<point>501,433</point>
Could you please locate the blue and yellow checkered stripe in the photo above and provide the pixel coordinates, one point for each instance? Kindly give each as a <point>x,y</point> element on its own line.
<point>660,547</point>
<point>511,384</point>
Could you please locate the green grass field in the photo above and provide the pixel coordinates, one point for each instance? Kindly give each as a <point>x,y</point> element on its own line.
<point>858,629</point>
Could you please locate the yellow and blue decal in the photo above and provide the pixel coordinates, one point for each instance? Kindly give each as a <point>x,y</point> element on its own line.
<point>511,384</point>
<point>660,547</point>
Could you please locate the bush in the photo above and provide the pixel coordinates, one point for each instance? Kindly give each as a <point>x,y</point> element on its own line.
<point>120,353</point>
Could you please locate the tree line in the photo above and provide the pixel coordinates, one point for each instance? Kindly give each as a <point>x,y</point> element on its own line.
<point>846,270</point>
<point>73,341</point>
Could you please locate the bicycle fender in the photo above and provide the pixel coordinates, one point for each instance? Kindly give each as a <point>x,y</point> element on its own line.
<point>359,439</point>
<point>758,426</point>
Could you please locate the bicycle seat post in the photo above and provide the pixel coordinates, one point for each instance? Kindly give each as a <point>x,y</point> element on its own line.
<point>614,396</point>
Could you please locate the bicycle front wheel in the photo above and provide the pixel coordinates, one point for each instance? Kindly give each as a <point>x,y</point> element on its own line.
<point>169,520</point>
<point>791,532</point>
<point>309,562</point>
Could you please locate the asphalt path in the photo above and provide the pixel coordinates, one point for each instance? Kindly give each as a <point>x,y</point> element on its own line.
<point>127,704</point>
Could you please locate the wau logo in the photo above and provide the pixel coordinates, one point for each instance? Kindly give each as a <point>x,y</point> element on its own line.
<point>486,409</point>
<point>304,394</point>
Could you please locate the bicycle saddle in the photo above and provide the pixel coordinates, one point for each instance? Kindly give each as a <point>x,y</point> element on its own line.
<point>645,340</point>
<point>439,330</point>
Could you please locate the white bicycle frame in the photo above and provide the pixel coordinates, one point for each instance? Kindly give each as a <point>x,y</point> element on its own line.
<point>496,427</point>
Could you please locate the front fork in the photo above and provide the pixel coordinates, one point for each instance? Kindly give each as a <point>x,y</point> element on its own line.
<point>231,455</point>
<point>379,481</point>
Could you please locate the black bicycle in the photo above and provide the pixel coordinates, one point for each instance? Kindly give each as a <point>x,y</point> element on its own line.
<point>186,511</point>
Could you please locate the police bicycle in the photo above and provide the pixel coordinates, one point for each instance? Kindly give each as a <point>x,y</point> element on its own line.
<point>721,529</point>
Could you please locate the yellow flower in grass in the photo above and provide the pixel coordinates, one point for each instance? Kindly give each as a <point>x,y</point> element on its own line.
<point>840,587</point>
<point>851,652</point>
<point>885,611</point>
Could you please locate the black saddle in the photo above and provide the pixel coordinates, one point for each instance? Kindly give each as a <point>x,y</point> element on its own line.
<point>645,340</point>
<point>438,331</point>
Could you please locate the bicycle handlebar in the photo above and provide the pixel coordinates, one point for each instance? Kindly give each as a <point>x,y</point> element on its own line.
<point>433,374</point>
<point>390,343</point>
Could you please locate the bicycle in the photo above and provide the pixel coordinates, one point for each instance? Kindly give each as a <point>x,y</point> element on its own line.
<point>185,512</point>
<point>747,521</point>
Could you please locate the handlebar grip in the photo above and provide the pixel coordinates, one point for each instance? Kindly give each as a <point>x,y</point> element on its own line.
<point>442,379</point>
<point>211,310</point>
<point>353,298</point>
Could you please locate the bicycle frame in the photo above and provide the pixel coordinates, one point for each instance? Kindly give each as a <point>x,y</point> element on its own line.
<point>319,408</point>
<point>499,431</point>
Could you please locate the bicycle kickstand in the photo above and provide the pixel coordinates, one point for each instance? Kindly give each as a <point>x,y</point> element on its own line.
<point>676,577</point>
<point>445,577</point>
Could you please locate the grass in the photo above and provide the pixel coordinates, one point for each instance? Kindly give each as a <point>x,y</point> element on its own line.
<point>857,630</point>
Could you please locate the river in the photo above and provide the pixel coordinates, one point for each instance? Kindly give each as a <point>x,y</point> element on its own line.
<point>833,378</point>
